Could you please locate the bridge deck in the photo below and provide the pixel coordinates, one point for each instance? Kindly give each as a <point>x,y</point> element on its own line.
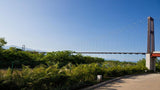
<point>155,54</point>
<point>112,53</point>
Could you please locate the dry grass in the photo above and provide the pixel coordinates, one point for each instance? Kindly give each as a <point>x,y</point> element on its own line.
<point>3,70</point>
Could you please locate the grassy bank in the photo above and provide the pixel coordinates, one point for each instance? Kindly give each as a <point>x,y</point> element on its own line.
<point>68,77</point>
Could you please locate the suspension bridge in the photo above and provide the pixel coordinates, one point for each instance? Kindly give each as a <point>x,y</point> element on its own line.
<point>151,54</point>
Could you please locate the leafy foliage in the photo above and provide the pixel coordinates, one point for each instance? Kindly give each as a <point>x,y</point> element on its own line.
<point>33,58</point>
<point>157,65</point>
<point>142,62</point>
<point>2,42</point>
<point>18,57</point>
<point>60,70</point>
<point>68,77</point>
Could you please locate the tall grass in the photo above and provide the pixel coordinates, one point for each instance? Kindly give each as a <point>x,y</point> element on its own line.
<point>66,78</point>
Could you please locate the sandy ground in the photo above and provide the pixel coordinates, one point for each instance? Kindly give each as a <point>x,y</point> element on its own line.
<point>139,82</point>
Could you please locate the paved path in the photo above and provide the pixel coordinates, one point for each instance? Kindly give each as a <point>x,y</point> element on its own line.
<point>139,82</point>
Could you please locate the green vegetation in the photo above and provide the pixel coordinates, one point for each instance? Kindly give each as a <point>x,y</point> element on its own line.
<point>32,58</point>
<point>19,58</point>
<point>61,70</point>
<point>158,65</point>
<point>2,42</point>
<point>69,77</point>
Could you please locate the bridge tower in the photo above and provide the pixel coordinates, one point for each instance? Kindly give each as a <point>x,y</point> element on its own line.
<point>150,58</point>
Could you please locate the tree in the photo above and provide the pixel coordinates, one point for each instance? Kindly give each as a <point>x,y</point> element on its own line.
<point>142,62</point>
<point>2,42</point>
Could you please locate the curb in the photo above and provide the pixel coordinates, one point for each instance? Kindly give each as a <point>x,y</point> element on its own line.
<point>109,81</point>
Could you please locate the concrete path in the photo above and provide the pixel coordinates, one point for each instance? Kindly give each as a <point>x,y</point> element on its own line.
<point>139,82</point>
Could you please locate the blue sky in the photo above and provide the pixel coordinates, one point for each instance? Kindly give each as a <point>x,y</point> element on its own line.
<point>80,25</point>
